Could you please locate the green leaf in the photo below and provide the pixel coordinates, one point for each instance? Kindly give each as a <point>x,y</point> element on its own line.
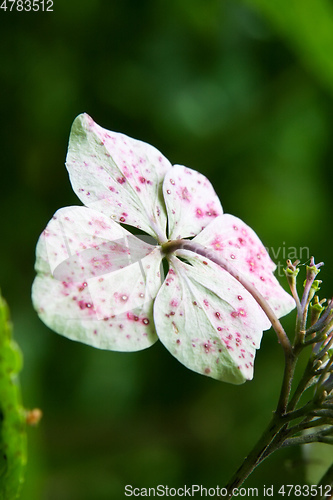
<point>12,416</point>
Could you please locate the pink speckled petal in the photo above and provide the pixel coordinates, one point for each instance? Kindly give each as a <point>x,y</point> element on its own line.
<point>118,176</point>
<point>190,200</point>
<point>231,238</point>
<point>95,281</point>
<point>207,320</point>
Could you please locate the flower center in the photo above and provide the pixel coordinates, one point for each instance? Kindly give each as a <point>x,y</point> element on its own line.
<point>171,245</point>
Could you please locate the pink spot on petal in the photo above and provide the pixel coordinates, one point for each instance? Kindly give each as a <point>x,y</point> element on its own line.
<point>185,194</point>
<point>132,317</point>
<point>212,213</point>
<point>207,346</point>
<point>217,243</point>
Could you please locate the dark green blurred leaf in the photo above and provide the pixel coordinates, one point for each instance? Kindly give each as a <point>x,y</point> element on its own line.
<point>308,26</point>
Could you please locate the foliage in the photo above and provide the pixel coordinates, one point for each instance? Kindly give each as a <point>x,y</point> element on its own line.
<point>12,415</point>
<point>295,20</point>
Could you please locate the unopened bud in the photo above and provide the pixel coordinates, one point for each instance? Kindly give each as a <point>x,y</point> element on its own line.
<point>315,287</point>
<point>291,272</point>
<point>316,308</point>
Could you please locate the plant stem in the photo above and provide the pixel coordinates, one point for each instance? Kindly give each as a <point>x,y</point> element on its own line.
<point>301,387</point>
<point>289,369</point>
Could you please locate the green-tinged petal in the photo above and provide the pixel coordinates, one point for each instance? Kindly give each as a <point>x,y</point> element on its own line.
<point>207,320</point>
<point>190,200</point>
<point>81,243</point>
<point>95,281</point>
<point>118,176</point>
<point>229,237</point>
<point>12,418</point>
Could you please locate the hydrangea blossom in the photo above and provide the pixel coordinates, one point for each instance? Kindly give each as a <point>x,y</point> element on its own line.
<point>99,284</point>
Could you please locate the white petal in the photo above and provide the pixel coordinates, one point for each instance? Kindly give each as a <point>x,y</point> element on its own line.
<point>82,243</point>
<point>95,281</point>
<point>117,175</point>
<point>207,320</point>
<point>190,200</point>
<point>232,239</point>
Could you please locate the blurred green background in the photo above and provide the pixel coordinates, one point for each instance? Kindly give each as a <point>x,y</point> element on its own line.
<point>242,92</point>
